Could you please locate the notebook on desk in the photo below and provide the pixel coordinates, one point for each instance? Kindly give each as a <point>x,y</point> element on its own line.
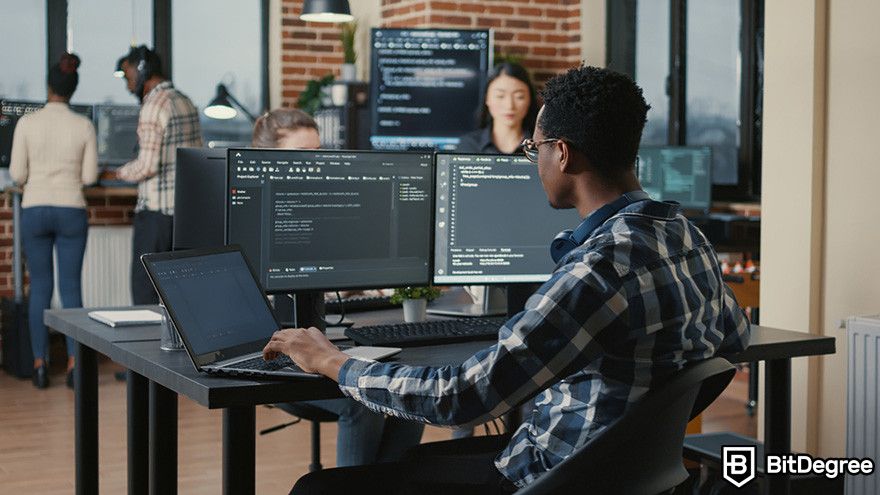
<point>223,318</point>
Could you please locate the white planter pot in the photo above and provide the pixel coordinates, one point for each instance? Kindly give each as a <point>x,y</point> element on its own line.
<point>348,72</point>
<point>415,310</point>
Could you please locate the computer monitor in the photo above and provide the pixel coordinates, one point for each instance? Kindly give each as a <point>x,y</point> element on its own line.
<point>116,129</point>
<point>199,198</point>
<point>11,111</point>
<point>425,86</point>
<point>493,223</point>
<point>677,173</point>
<point>326,220</point>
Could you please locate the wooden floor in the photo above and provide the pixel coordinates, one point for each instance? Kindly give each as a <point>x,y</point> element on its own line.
<point>36,438</point>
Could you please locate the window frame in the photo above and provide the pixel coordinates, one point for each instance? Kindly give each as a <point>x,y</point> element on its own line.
<point>56,33</point>
<point>620,53</point>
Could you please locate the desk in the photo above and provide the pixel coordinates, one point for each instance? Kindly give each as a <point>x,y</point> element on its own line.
<point>157,377</point>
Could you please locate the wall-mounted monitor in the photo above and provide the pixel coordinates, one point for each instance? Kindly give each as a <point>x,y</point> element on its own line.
<point>426,86</point>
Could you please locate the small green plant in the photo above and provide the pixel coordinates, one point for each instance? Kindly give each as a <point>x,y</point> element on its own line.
<point>347,35</point>
<point>429,293</point>
<point>309,101</point>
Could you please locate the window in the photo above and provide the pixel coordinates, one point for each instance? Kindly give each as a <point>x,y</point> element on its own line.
<point>652,66</point>
<point>699,63</point>
<point>23,50</point>
<point>101,31</point>
<point>219,41</point>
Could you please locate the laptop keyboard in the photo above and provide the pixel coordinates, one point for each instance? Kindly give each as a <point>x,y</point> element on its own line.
<point>259,364</point>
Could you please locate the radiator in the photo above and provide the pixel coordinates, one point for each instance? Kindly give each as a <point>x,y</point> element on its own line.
<point>106,274</point>
<point>863,400</point>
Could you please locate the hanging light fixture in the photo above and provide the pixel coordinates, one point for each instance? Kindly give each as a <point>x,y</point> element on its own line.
<point>326,11</point>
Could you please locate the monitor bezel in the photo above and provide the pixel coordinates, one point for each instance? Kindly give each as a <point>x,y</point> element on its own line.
<point>319,288</point>
<point>434,231</point>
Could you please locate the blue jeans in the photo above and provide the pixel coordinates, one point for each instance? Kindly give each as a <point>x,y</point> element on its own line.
<point>367,437</point>
<point>65,229</point>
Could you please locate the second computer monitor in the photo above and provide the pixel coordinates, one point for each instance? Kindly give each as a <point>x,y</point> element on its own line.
<point>493,223</point>
<point>324,220</point>
<point>677,173</point>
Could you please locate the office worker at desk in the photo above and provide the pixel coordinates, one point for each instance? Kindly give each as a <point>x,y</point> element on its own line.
<point>54,154</point>
<point>168,120</point>
<point>364,436</point>
<point>635,295</point>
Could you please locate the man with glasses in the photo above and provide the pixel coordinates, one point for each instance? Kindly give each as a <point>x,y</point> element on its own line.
<point>636,295</point>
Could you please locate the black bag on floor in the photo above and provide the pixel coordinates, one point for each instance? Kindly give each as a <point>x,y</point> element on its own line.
<point>16,338</point>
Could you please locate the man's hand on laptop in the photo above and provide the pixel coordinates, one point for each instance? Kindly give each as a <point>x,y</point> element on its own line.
<point>309,349</point>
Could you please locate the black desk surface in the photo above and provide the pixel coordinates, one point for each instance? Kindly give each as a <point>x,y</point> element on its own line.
<point>137,348</point>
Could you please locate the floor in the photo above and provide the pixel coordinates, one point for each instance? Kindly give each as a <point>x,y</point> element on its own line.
<point>37,441</point>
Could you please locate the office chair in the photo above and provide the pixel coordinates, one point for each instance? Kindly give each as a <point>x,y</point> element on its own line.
<point>641,453</point>
<point>315,416</point>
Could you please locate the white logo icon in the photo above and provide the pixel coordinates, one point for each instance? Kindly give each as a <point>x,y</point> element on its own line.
<point>738,464</point>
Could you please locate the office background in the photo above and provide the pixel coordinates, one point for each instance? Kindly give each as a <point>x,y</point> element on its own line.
<point>817,176</point>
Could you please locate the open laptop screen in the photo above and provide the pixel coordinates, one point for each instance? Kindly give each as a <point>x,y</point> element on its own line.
<point>215,302</point>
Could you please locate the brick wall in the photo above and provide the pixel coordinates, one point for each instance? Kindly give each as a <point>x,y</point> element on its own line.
<point>104,207</point>
<point>545,33</point>
<point>309,50</point>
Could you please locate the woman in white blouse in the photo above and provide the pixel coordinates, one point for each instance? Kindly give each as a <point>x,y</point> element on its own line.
<point>53,156</point>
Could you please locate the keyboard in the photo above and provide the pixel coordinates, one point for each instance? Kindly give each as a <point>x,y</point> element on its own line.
<point>427,332</point>
<point>359,303</point>
<point>258,363</point>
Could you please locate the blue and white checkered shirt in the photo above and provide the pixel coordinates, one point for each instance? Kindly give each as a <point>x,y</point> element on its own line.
<point>640,298</point>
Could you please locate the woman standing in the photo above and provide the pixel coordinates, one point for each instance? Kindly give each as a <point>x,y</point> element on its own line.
<point>54,153</point>
<point>508,113</point>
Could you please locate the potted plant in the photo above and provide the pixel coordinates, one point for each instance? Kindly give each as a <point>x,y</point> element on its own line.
<point>349,56</point>
<point>415,301</point>
<point>315,95</point>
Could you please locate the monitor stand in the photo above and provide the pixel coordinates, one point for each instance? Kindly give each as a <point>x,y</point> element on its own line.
<point>517,295</point>
<point>301,310</point>
<point>494,304</point>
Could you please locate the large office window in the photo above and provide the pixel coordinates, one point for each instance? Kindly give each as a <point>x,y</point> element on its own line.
<point>101,31</point>
<point>699,64</point>
<point>713,83</point>
<point>23,50</point>
<point>652,66</point>
<point>219,41</point>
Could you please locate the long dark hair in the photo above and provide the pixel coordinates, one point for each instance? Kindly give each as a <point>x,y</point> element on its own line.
<point>520,73</point>
<point>63,77</point>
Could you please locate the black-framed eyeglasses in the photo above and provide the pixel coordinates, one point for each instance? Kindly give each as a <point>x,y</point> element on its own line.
<point>530,147</point>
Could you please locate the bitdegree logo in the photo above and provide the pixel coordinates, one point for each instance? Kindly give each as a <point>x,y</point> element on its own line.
<point>806,464</point>
<point>738,465</point>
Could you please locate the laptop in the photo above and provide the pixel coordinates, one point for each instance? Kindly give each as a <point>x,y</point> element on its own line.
<point>222,315</point>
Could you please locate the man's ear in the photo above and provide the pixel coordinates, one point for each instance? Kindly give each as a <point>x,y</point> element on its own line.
<point>565,159</point>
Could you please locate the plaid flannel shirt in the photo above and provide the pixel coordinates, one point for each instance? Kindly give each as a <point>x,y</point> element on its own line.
<point>640,298</point>
<point>167,120</point>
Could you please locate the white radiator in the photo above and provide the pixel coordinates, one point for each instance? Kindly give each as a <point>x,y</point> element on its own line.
<point>863,400</point>
<point>106,274</point>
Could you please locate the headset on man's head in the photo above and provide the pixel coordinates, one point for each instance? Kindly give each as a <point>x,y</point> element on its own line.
<point>146,64</point>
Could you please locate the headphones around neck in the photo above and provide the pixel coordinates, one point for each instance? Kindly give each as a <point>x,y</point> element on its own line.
<point>567,240</point>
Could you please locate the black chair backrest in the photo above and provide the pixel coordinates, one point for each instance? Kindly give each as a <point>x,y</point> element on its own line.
<point>641,453</point>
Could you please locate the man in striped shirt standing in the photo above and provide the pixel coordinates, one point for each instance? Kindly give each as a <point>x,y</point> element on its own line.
<point>636,295</point>
<point>167,120</point>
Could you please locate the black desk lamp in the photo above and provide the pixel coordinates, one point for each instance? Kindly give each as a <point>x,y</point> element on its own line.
<point>221,106</point>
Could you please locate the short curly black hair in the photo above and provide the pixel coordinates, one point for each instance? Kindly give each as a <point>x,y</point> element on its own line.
<point>598,111</point>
